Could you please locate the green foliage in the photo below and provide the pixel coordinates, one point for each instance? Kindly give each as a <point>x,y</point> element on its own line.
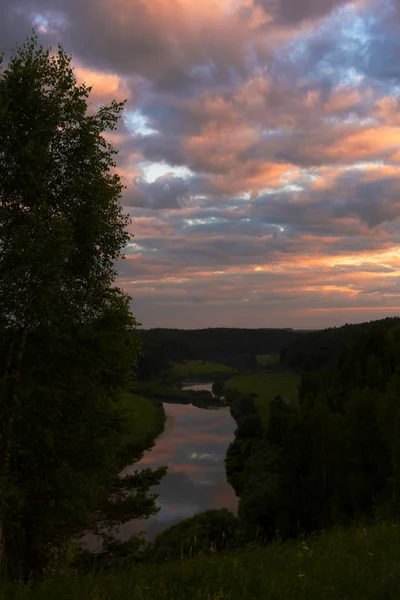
<point>333,457</point>
<point>67,343</point>
<point>265,387</point>
<point>218,388</point>
<point>317,349</point>
<point>144,420</point>
<point>218,344</point>
<point>159,390</point>
<point>268,360</point>
<point>153,362</point>
<point>212,530</point>
<point>196,369</point>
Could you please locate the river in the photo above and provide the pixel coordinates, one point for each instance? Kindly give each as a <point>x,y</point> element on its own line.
<point>193,446</point>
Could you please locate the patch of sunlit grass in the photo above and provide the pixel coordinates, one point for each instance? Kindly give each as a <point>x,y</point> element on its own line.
<point>265,387</point>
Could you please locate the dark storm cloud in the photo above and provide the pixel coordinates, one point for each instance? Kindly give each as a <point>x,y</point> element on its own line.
<point>158,147</point>
<point>166,192</point>
<point>158,41</point>
<point>371,203</point>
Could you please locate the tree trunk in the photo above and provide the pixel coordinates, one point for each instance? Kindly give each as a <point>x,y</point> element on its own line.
<point>12,380</point>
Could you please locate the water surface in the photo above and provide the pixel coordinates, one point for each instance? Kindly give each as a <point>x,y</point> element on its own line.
<point>193,446</point>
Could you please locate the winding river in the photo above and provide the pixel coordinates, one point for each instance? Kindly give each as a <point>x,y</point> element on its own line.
<point>193,446</point>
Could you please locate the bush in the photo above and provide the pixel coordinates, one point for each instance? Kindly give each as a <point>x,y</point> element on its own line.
<point>208,531</point>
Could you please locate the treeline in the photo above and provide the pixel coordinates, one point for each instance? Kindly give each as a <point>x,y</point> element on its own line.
<point>215,343</point>
<point>334,458</point>
<point>316,349</point>
<point>299,350</point>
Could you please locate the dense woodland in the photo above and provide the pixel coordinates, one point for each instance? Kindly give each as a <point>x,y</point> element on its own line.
<point>333,458</point>
<point>222,344</point>
<point>319,348</point>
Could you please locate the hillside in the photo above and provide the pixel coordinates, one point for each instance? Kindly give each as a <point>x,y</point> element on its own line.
<point>217,343</point>
<point>310,351</point>
<point>357,564</point>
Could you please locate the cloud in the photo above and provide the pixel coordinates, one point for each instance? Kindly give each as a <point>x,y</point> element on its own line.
<point>259,148</point>
<point>166,192</point>
<point>289,12</point>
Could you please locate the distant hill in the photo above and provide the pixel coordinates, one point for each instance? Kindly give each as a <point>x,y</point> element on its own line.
<point>301,350</point>
<point>316,349</point>
<point>218,343</point>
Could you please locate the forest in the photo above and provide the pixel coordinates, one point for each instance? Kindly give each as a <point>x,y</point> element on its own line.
<point>333,457</point>
<point>221,344</point>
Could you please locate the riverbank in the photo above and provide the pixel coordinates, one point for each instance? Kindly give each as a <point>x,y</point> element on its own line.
<point>193,447</point>
<point>145,419</point>
<point>264,387</point>
<point>146,416</point>
<point>356,564</point>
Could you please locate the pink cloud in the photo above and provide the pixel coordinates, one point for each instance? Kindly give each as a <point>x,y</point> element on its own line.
<point>275,127</point>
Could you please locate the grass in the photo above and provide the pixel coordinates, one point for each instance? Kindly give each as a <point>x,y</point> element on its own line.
<point>266,387</point>
<point>357,564</point>
<point>145,419</point>
<point>268,360</point>
<point>190,369</point>
<point>157,389</point>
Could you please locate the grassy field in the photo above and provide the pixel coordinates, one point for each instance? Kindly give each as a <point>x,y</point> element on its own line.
<point>145,419</point>
<point>159,390</point>
<point>190,369</point>
<point>358,564</point>
<point>268,360</point>
<point>267,386</point>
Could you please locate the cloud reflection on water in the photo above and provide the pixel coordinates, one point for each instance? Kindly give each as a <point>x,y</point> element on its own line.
<point>194,449</point>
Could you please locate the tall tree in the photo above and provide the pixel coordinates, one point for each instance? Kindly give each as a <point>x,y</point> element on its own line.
<point>67,343</point>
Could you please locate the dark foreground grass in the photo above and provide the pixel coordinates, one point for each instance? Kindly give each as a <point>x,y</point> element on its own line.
<point>358,564</point>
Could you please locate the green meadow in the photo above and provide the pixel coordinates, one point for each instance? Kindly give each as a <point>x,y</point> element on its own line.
<point>190,369</point>
<point>149,413</point>
<point>266,386</point>
<point>268,360</point>
<point>356,564</point>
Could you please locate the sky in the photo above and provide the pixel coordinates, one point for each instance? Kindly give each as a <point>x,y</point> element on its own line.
<point>260,147</point>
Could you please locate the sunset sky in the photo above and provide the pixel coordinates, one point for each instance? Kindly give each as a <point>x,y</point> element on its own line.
<point>260,147</point>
